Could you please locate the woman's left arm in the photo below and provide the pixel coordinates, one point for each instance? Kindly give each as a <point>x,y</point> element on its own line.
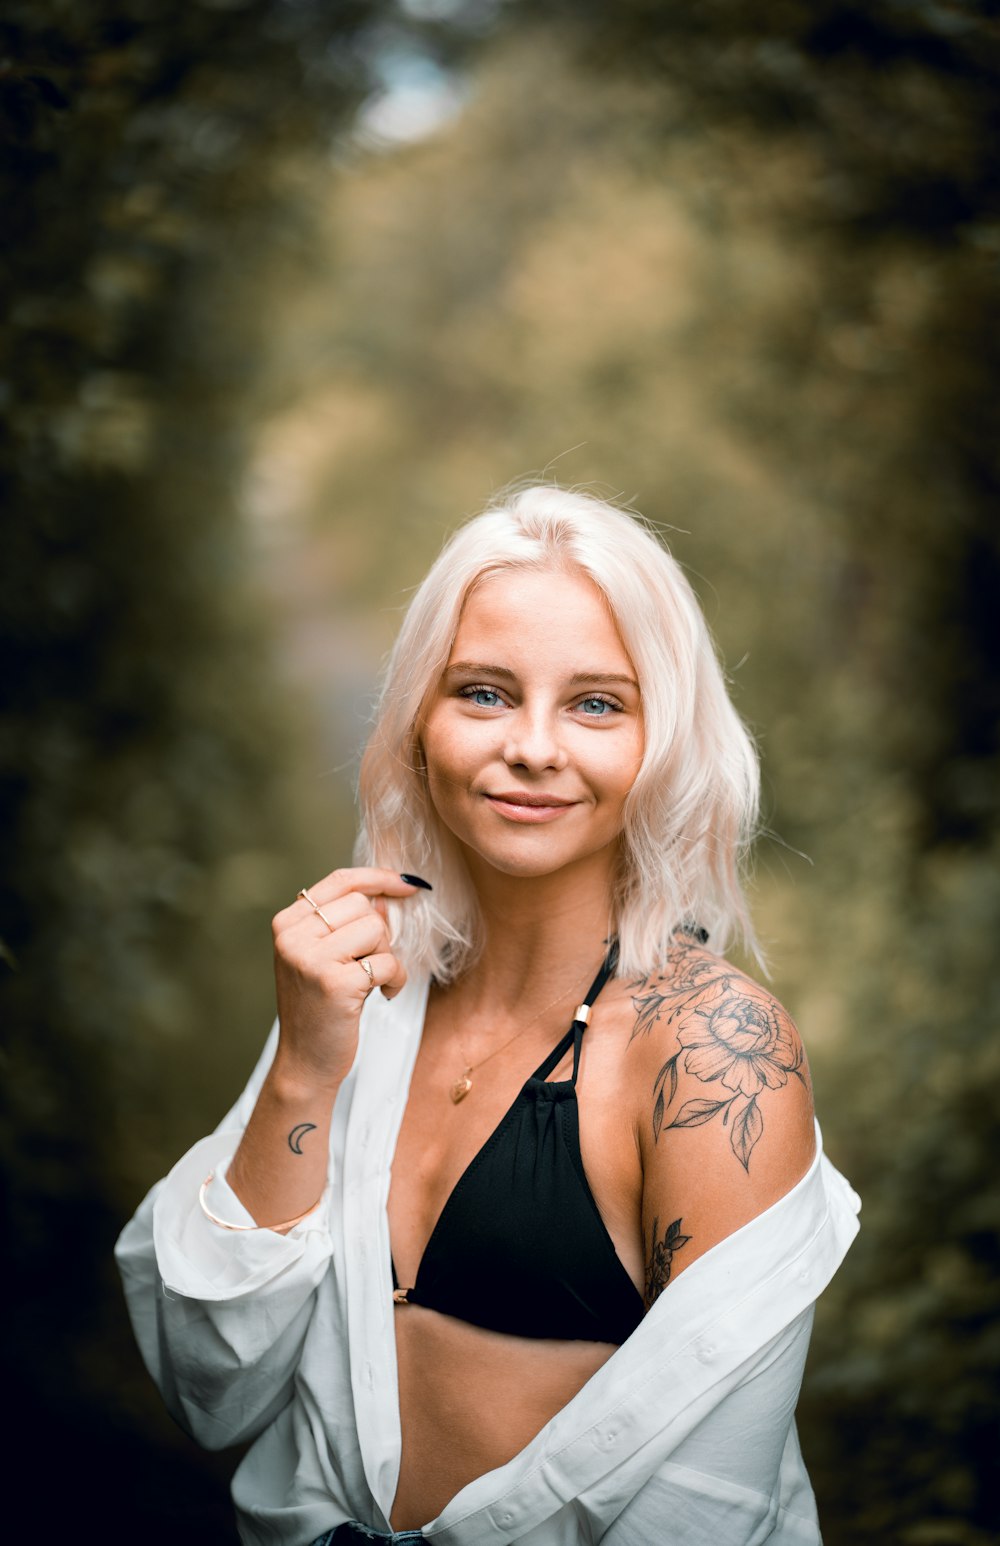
<point>726,1116</point>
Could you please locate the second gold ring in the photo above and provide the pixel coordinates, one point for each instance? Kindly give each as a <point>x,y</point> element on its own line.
<point>316,908</point>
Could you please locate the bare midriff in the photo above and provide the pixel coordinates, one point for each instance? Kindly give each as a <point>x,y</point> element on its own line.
<point>470,1400</point>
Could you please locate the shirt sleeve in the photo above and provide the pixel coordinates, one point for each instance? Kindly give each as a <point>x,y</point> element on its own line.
<point>220,1315</point>
<point>737,1475</point>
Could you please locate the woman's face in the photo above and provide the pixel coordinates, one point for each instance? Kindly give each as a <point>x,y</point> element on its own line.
<point>534,736</point>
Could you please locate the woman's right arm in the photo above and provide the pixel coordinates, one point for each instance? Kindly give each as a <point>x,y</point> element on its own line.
<point>220,1314</point>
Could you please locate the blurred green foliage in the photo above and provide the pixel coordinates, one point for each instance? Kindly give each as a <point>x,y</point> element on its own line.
<point>149,772</point>
<point>737,263</point>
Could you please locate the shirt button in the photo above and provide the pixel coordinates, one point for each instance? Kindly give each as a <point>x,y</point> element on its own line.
<point>706,1352</point>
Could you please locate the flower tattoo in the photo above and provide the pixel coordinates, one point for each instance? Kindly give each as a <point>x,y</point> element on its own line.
<point>735,1034</point>
<point>661,1259</point>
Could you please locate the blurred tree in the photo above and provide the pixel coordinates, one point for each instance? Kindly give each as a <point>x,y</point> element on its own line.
<point>148,828</point>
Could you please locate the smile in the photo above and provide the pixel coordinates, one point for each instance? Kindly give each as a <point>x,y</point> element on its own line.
<point>529,807</point>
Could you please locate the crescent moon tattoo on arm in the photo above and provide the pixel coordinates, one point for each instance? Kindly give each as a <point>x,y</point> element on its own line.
<point>297,1134</point>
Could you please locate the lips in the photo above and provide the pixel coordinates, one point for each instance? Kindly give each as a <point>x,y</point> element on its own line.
<point>518,797</point>
<point>515,805</point>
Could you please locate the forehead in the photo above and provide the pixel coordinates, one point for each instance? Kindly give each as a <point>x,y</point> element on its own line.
<point>523,612</point>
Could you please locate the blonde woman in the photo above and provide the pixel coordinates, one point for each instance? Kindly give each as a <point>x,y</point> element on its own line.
<point>516,1231</point>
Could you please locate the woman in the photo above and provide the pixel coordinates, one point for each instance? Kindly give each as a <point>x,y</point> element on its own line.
<point>426,1275</point>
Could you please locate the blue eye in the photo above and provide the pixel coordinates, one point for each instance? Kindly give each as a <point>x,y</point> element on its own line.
<point>482,697</point>
<point>597,708</point>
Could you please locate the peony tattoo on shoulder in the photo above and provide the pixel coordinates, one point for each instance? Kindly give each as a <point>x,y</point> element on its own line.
<point>733,1034</point>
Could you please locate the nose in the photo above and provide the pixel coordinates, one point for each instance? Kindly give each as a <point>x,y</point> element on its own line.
<point>533,742</point>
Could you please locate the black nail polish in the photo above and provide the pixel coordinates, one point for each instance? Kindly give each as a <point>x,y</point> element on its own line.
<point>415,880</point>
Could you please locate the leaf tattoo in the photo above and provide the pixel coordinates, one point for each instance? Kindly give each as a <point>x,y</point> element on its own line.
<point>660,1260</point>
<point>694,1112</point>
<point>748,1125</point>
<point>668,1071</point>
<point>648,1007</point>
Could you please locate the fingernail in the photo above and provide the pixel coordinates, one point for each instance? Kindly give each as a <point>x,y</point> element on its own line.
<point>415,880</point>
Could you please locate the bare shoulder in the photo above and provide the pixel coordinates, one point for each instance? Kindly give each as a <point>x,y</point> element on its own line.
<point>725,1120</point>
<point>721,1043</point>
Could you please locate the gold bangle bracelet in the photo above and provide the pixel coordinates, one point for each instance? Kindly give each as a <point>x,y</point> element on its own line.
<point>240,1228</point>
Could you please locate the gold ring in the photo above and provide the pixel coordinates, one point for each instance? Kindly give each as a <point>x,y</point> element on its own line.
<point>366,967</point>
<point>316,909</point>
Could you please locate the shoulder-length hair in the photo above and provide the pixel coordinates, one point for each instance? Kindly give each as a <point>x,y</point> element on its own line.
<point>692,811</point>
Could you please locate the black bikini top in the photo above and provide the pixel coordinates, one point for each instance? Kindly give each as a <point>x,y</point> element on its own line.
<point>520,1246</point>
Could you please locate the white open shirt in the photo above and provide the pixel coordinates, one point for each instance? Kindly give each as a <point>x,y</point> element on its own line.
<point>686,1436</point>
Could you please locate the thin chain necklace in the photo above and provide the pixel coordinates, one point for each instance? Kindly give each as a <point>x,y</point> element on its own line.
<point>463,1084</point>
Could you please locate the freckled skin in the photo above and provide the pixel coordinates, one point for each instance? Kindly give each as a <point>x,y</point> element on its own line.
<point>535,731</point>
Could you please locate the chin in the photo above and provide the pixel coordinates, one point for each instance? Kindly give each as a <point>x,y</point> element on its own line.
<point>524,869</point>
<point>529,862</point>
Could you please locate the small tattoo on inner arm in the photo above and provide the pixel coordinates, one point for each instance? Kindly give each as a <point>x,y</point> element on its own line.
<point>297,1134</point>
<point>661,1258</point>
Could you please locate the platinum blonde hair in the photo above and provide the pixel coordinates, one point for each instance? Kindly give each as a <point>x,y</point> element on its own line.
<point>692,811</point>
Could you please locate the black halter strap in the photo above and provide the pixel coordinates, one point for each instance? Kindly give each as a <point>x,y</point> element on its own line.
<point>607,967</point>
<point>579,1024</point>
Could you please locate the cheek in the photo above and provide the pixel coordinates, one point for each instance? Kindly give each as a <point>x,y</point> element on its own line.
<point>637,753</point>
<point>616,772</point>
<point>441,774</point>
<point>451,754</point>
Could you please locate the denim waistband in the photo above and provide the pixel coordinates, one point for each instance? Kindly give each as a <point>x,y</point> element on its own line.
<point>351,1533</point>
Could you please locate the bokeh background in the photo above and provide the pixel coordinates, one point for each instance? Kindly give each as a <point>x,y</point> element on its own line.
<point>289,287</point>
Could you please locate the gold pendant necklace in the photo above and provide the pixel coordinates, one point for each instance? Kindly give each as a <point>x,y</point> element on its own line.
<point>461,1087</point>
<point>463,1084</point>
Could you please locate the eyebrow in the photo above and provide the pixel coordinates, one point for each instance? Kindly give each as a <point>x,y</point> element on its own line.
<point>578,679</point>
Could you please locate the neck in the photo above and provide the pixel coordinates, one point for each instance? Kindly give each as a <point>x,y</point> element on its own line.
<point>540,933</point>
